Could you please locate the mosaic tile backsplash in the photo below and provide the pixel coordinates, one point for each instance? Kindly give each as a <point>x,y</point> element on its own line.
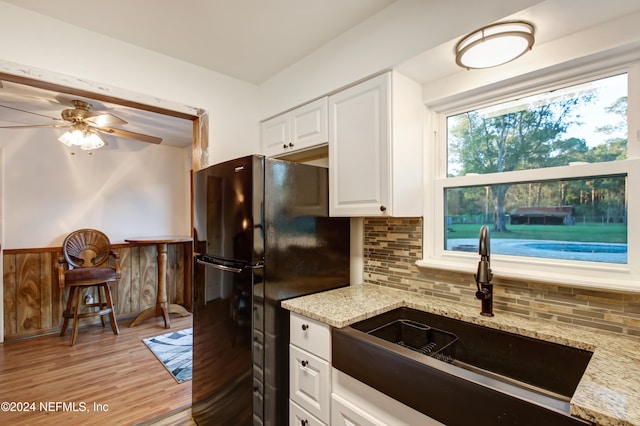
<point>392,246</point>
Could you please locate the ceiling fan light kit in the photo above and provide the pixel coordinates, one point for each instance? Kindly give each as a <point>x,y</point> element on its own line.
<point>80,135</point>
<point>495,44</point>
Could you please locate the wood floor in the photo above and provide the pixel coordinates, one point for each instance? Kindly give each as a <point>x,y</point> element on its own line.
<point>106,379</point>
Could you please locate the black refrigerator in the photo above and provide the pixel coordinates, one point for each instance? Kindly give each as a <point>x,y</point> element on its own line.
<point>262,234</point>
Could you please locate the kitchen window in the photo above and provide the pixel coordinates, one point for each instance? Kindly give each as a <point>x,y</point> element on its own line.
<point>552,171</point>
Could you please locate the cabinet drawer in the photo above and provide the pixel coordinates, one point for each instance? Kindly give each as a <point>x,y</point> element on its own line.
<point>298,416</point>
<point>258,317</point>
<point>258,349</point>
<point>311,335</point>
<point>257,421</point>
<point>309,382</point>
<point>258,392</point>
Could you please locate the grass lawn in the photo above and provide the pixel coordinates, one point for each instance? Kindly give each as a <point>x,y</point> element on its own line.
<point>594,232</point>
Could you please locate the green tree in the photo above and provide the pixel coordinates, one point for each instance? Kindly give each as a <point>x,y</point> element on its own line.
<point>614,148</point>
<point>612,191</point>
<point>526,138</point>
<point>618,108</point>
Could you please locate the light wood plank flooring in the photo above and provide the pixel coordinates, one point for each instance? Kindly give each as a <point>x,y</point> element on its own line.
<point>117,379</point>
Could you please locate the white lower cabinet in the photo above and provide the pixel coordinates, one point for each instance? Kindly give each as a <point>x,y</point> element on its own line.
<point>309,372</point>
<point>320,395</point>
<point>309,383</point>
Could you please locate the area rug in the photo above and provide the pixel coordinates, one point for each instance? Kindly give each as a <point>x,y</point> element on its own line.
<point>174,350</point>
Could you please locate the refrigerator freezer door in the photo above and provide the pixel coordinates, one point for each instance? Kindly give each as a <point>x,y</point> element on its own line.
<point>225,217</point>
<point>228,267</point>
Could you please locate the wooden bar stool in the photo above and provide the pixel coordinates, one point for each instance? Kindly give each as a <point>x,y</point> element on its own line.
<point>84,266</point>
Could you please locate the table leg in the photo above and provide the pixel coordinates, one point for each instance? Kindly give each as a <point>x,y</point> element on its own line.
<point>161,304</point>
<point>163,308</point>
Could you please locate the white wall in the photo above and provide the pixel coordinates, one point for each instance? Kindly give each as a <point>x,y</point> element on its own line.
<point>43,43</point>
<point>125,192</point>
<point>612,41</point>
<point>404,29</point>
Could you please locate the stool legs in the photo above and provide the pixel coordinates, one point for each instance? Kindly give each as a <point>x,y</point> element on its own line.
<point>112,314</point>
<point>75,306</point>
<point>76,317</point>
<point>65,323</point>
<point>101,303</point>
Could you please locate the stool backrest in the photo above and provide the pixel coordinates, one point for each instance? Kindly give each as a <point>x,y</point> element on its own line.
<point>86,248</point>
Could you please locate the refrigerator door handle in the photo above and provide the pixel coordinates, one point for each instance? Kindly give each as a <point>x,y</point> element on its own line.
<point>222,267</point>
<point>235,269</point>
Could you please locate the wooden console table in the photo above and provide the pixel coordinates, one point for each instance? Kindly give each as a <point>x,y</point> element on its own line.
<point>163,308</point>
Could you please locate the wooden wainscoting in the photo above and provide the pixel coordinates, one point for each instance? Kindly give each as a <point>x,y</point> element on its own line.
<point>34,302</point>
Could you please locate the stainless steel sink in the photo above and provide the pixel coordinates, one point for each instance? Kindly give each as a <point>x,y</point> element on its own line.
<point>461,373</point>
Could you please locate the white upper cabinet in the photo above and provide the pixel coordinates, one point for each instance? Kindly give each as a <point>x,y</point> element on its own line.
<point>375,148</point>
<point>297,130</point>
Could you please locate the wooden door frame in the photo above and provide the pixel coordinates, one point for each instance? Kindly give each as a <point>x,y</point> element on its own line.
<point>70,85</point>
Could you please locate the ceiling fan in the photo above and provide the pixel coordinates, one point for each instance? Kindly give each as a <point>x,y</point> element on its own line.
<point>81,119</point>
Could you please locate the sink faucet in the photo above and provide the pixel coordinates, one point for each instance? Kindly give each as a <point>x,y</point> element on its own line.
<point>484,275</point>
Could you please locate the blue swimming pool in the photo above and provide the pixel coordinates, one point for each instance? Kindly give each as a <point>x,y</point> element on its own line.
<point>589,252</point>
<point>579,247</point>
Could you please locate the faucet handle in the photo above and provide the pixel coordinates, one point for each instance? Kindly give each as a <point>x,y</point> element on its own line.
<point>483,294</point>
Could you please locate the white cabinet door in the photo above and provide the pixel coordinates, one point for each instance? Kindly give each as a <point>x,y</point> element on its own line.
<point>309,125</point>
<point>309,382</point>
<point>297,130</point>
<point>274,135</point>
<point>359,146</point>
<point>375,148</point>
<point>343,413</point>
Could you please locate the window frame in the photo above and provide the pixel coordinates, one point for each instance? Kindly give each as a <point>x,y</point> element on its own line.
<point>617,277</point>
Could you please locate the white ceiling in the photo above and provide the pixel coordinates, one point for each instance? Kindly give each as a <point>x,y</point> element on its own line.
<point>250,40</point>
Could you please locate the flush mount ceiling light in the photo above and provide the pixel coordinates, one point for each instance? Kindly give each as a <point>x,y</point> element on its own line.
<point>81,135</point>
<point>495,44</point>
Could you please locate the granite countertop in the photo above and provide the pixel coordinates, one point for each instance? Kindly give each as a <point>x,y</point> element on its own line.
<point>608,394</point>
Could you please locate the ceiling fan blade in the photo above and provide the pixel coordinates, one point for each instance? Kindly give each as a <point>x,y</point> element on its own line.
<point>28,112</point>
<point>34,126</point>
<point>131,135</point>
<point>105,120</point>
